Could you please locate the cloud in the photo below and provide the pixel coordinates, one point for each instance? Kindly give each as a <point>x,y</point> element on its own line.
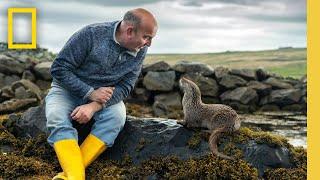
<point>184,25</point>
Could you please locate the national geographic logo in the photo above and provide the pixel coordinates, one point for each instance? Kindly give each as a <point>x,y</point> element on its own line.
<point>33,44</point>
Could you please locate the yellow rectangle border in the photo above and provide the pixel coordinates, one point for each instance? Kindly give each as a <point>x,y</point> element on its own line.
<point>33,44</point>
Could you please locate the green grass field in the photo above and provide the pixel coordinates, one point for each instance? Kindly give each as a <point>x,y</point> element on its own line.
<point>286,62</point>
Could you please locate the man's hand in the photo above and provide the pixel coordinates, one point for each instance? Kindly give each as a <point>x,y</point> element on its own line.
<point>101,95</point>
<point>82,114</point>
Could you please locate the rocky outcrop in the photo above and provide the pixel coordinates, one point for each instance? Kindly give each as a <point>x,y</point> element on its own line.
<point>145,138</point>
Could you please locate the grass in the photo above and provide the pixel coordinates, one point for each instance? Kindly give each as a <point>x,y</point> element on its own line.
<point>287,62</point>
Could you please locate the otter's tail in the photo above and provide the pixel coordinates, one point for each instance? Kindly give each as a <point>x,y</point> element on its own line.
<point>213,142</point>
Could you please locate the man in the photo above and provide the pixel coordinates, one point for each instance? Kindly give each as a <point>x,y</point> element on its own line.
<point>96,69</point>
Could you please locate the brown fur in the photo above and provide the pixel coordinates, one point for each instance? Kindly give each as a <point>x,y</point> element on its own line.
<point>217,118</point>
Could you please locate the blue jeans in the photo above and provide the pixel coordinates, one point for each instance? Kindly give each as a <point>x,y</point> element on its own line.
<point>109,121</point>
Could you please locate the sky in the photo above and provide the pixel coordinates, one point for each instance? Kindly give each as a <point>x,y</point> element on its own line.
<point>185,26</point>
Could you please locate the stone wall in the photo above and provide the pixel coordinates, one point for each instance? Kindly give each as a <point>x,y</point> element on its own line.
<point>25,77</point>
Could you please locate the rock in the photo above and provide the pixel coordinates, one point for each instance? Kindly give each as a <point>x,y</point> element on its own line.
<point>220,72</point>
<point>14,105</point>
<point>293,107</point>
<point>282,97</point>
<point>269,107</point>
<point>159,81</point>
<point>193,67</point>
<point>244,95</point>
<point>232,81</point>
<point>304,79</point>
<point>210,100</point>
<point>208,86</point>
<point>43,70</point>
<point>261,88</point>
<point>239,107</point>
<point>167,104</point>
<point>7,92</point>
<point>141,94</point>
<point>262,74</point>
<point>2,82</point>
<point>277,84</point>
<point>8,80</point>
<point>156,67</point>
<point>263,156</point>
<point>144,138</point>
<point>43,85</point>
<point>28,76</point>
<point>247,74</point>
<point>32,89</point>
<point>10,66</point>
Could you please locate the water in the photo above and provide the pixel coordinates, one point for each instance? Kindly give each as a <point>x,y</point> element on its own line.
<point>292,125</point>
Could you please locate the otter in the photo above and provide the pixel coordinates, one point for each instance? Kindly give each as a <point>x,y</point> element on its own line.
<point>217,118</point>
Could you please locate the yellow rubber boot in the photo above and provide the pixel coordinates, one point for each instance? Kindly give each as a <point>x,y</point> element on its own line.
<point>70,159</point>
<point>91,148</point>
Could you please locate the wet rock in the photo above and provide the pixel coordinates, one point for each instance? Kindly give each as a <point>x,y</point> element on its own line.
<point>247,74</point>
<point>159,81</point>
<point>243,108</point>
<point>156,67</point>
<point>14,105</point>
<point>208,86</point>
<point>264,157</point>
<point>277,84</point>
<point>193,67</point>
<point>220,71</point>
<point>244,95</point>
<point>232,81</point>
<point>294,107</point>
<point>141,94</point>
<point>43,70</point>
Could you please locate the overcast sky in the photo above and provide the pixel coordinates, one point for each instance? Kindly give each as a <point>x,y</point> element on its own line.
<point>185,26</point>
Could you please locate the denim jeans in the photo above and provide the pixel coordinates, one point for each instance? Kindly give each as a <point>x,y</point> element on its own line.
<point>109,121</point>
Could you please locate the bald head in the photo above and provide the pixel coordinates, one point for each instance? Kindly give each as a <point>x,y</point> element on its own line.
<point>140,18</point>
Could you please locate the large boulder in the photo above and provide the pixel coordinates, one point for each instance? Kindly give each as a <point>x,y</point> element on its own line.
<point>208,86</point>
<point>159,81</point>
<point>193,67</point>
<point>232,81</point>
<point>43,70</point>
<point>244,95</point>
<point>26,89</point>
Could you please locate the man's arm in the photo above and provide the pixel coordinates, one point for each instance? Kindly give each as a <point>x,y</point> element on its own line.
<point>126,85</point>
<point>69,59</point>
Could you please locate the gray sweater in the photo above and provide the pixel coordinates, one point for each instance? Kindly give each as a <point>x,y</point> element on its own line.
<point>92,58</point>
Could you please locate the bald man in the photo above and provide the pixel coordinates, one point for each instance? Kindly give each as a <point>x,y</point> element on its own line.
<point>92,74</point>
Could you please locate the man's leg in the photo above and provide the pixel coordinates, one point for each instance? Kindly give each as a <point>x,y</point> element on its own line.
<point>108,123</point>
<point>63,137</point>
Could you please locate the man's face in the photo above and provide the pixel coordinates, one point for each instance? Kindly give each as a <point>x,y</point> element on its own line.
<point>141,37</point>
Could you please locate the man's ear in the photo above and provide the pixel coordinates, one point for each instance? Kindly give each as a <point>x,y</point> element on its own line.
<point>130,31</point>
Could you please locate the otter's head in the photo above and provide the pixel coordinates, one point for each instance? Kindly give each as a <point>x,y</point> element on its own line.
<point>188,86</point>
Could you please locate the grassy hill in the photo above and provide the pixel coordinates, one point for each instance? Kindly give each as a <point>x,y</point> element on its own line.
<point>287,62</point>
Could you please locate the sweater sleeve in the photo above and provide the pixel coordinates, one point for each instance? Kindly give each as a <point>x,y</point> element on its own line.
<point>126,85</point>
<point>72,55</point>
